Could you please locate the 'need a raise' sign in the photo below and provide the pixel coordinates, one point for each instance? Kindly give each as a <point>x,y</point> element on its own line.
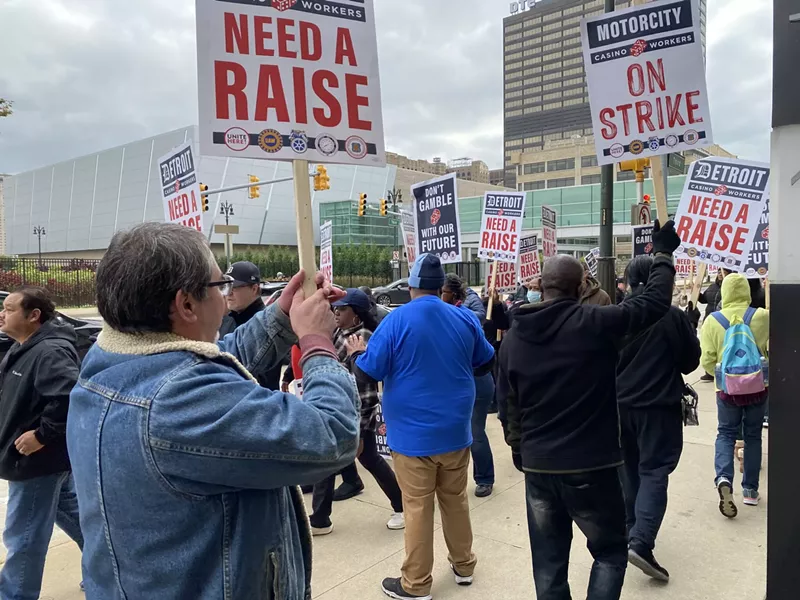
<point>501,225</point>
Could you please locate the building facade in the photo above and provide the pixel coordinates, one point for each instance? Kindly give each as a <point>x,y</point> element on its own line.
<point>469,169</point>
<point>545,93</point>
<point>436,167</point>
<point>2,216</point>
<point>82,202</point>
<point>497,176</point>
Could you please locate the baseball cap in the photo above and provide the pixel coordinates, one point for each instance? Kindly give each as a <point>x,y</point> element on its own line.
<point>244,273</point>
<point>356,299</point>
<point>427,273</point>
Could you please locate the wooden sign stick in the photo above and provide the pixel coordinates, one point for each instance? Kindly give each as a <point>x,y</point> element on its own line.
<point>698,282</point>
<point>491,291</point>
<point>305,225</point>
<point>657,172</point>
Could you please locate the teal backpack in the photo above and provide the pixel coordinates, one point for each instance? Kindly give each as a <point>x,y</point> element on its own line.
<point>742,369</point>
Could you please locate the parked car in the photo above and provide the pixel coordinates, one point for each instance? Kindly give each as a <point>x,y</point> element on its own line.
<point>393,294</point>
<point>381,310</point>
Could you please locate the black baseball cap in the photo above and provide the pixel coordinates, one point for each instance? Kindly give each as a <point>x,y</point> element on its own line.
<point>244,273</point>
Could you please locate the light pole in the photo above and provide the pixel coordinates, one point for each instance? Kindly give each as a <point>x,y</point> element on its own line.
<point>605,267</point>
<point>39,231</point>
<point>226,210</point>
<point>395,196</point>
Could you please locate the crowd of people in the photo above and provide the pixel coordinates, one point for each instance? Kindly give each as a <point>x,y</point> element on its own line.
<point>176,457</point>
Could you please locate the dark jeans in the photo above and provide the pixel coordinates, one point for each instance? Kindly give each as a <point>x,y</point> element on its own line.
<point>652,442</point>
<point>322,503</point>
<point>730,419</point>
<point>482,459</point>
<point>594,502</point>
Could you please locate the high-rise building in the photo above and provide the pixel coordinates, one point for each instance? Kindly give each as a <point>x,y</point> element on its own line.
<point>497,176</point>
<point>545,94</point>
<point>469,169</point>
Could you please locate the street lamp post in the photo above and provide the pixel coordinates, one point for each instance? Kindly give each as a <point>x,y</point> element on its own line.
<point>395,196</point>
<point>39,231</point>
<point>226,210</point>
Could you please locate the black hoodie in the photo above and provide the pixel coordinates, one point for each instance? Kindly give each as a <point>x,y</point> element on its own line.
<point>36,379</point>
<point>557,371</point>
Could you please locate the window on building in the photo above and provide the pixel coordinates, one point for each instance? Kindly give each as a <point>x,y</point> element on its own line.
<point>515,94</point>
<point>514,84</point>
<point>551,46</point>
<point>551,56</point>
<point>626,176</point>
<point>562,164</point>
<point>533,139</point>
<point>573,71</point>
<point>560,182</point>
<point>513,65</point>
<point>552,105</point>
<point>572,81</point>
<point>537,19</point>
<point>551,96</point>
<point>534,89</point>
<point>590,179</point>
<point>529,73</point>
<point>531,168</point>
<point>534,185</point>
<point>551,36</point>
<point>532,109</point>
<point>573,61</point>
<point>550,76</point>
<point>514,27</point>
<point>589,161</point>
<point>532,100</point>
<point>514,113</point>
<point>573,10</point>
<point>573,101</point>
<point>514,56</point>
<point>514,143</point>
<point>519,187</point>
<point>554,136</point>
<point>556,14</point>
<point>570,31</point>
<point>571,20</point>
<point>513,38</point>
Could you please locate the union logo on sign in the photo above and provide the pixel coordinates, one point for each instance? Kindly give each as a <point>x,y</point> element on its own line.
<point>282,5</point>
<point>435,216</point>
<point>638,47</point>
<point>765,233</point>
<point>721,190</point>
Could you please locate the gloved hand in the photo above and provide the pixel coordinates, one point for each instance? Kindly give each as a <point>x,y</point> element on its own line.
<point>693,313</point>
<point>665,239</point>
<point>517,458</point>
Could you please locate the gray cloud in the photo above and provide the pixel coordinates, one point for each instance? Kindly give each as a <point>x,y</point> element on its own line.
<point>91,74</point>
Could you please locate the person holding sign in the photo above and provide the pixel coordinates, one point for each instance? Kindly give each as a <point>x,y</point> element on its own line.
<point>427,353</point>
<point>557,376</point>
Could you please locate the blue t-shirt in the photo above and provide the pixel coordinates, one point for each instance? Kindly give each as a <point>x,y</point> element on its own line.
<point>424,352</point>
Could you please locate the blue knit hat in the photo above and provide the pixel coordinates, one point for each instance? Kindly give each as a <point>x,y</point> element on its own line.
<point>427,273</point>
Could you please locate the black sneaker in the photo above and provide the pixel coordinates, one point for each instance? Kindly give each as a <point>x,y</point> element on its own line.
<point>647,563</point>
<point>706,377</point>
<point>347,491</point>
<point>394,589</point>
<point>483,489</point>
<point>726,504</point>
<point>307,489</point>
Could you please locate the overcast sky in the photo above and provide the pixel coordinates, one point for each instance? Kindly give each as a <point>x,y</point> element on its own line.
<point>86,75</point>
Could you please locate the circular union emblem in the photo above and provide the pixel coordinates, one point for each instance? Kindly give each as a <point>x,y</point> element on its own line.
<point>762,271</point>
<point>671,140</point>
<point>237,139</point>
<point>636,147</point>
<point>691,136</point>
<point>692,252</point>
<point>616,150</point>
<point>326,144</point>
<point>356,147</point>
<point>270,141</point>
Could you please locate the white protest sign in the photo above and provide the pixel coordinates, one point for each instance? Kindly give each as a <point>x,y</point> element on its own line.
<point>591,261</point>
<point>549,239</point>
<point>529,266</point>
<point>646,76</point>
<point>180,188</point>
<point>501,225</point>
<point>720,210</point>
<point>758,261</point>
<point>506,282</point>
<point>289,79</point>
<point>436,218</point>
<point>409,236</point>
<point>684,268</point>
<point>326,250</point>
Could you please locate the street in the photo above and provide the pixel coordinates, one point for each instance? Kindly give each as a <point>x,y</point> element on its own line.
<point>708,556</point>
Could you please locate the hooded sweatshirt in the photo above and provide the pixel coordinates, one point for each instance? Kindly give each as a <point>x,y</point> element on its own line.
<point>557,373</point>
<point>735,301</point>
<point>593,294</point>
<point>36,379</point>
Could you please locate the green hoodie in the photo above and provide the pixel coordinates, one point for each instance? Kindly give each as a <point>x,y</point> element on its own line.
<point>735,300</point>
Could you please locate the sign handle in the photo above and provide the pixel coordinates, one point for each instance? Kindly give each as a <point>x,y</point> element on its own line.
<point>766,292</point>
<point>657,172</point>
<point>492,286</point>
<point>698,282</point>
<point>305,224</point>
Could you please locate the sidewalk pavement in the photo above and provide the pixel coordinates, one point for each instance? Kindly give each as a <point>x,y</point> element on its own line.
<point>708,556</point>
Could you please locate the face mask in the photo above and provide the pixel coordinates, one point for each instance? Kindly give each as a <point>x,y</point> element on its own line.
<point>534,297</point>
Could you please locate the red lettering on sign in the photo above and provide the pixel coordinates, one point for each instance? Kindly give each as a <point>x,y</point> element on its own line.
<point>354,101</point>
<point>742,216</point>
<point>310,41</point>
<point>270,94</point>
<point>261,34</point>
<point>224,89</point>
<point>300,108</point>
<point>610,130</point>
<point>344,47</point>
<point>318,82</point>
<point>236,33</point>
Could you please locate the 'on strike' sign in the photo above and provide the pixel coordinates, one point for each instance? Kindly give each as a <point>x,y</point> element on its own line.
<point>289,79</point>
<point>501,225</point>
<point>646,76</point>
<point>720,210</point>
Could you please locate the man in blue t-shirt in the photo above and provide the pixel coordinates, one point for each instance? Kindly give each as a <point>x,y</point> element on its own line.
<point>427,354</point>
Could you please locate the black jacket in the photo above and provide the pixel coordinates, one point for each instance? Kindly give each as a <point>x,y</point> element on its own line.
<point>651,362</point>
<point>499,321</point>
<point>557,374</point>
<point>272,378</point>
<point>36,379</point>
<point>710,297</point>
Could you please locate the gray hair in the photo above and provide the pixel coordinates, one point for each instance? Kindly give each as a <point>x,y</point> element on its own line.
<point>142,271</point>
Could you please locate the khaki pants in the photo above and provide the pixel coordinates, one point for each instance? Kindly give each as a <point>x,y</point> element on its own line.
<point>419,478</point>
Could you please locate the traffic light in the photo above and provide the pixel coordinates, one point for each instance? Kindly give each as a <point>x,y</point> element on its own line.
<point>646,199</point>
<point>383,207</point>
<point>362,205</point>
<point>321,180</point>
<point>254,191</point>
<point>638,165</point>
<point>204,197</point>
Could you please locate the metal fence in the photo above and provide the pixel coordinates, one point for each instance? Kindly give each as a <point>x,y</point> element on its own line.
<point>71,281</point>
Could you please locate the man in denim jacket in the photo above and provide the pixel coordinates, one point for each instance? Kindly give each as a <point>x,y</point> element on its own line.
<point>183,464</point>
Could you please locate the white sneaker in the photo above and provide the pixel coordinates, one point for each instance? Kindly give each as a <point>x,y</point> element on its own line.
<point>460,579</point>
<point>398,521</point>
<point>319,531</point>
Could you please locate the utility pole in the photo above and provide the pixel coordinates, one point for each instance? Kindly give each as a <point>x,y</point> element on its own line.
<point>783,543</point>
<point>226,210</point>
<point>395,196</point>
<point>39,231</point>
<point>605,263</point>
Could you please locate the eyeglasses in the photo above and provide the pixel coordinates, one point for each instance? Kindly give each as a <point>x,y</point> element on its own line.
<point>224,286</point>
